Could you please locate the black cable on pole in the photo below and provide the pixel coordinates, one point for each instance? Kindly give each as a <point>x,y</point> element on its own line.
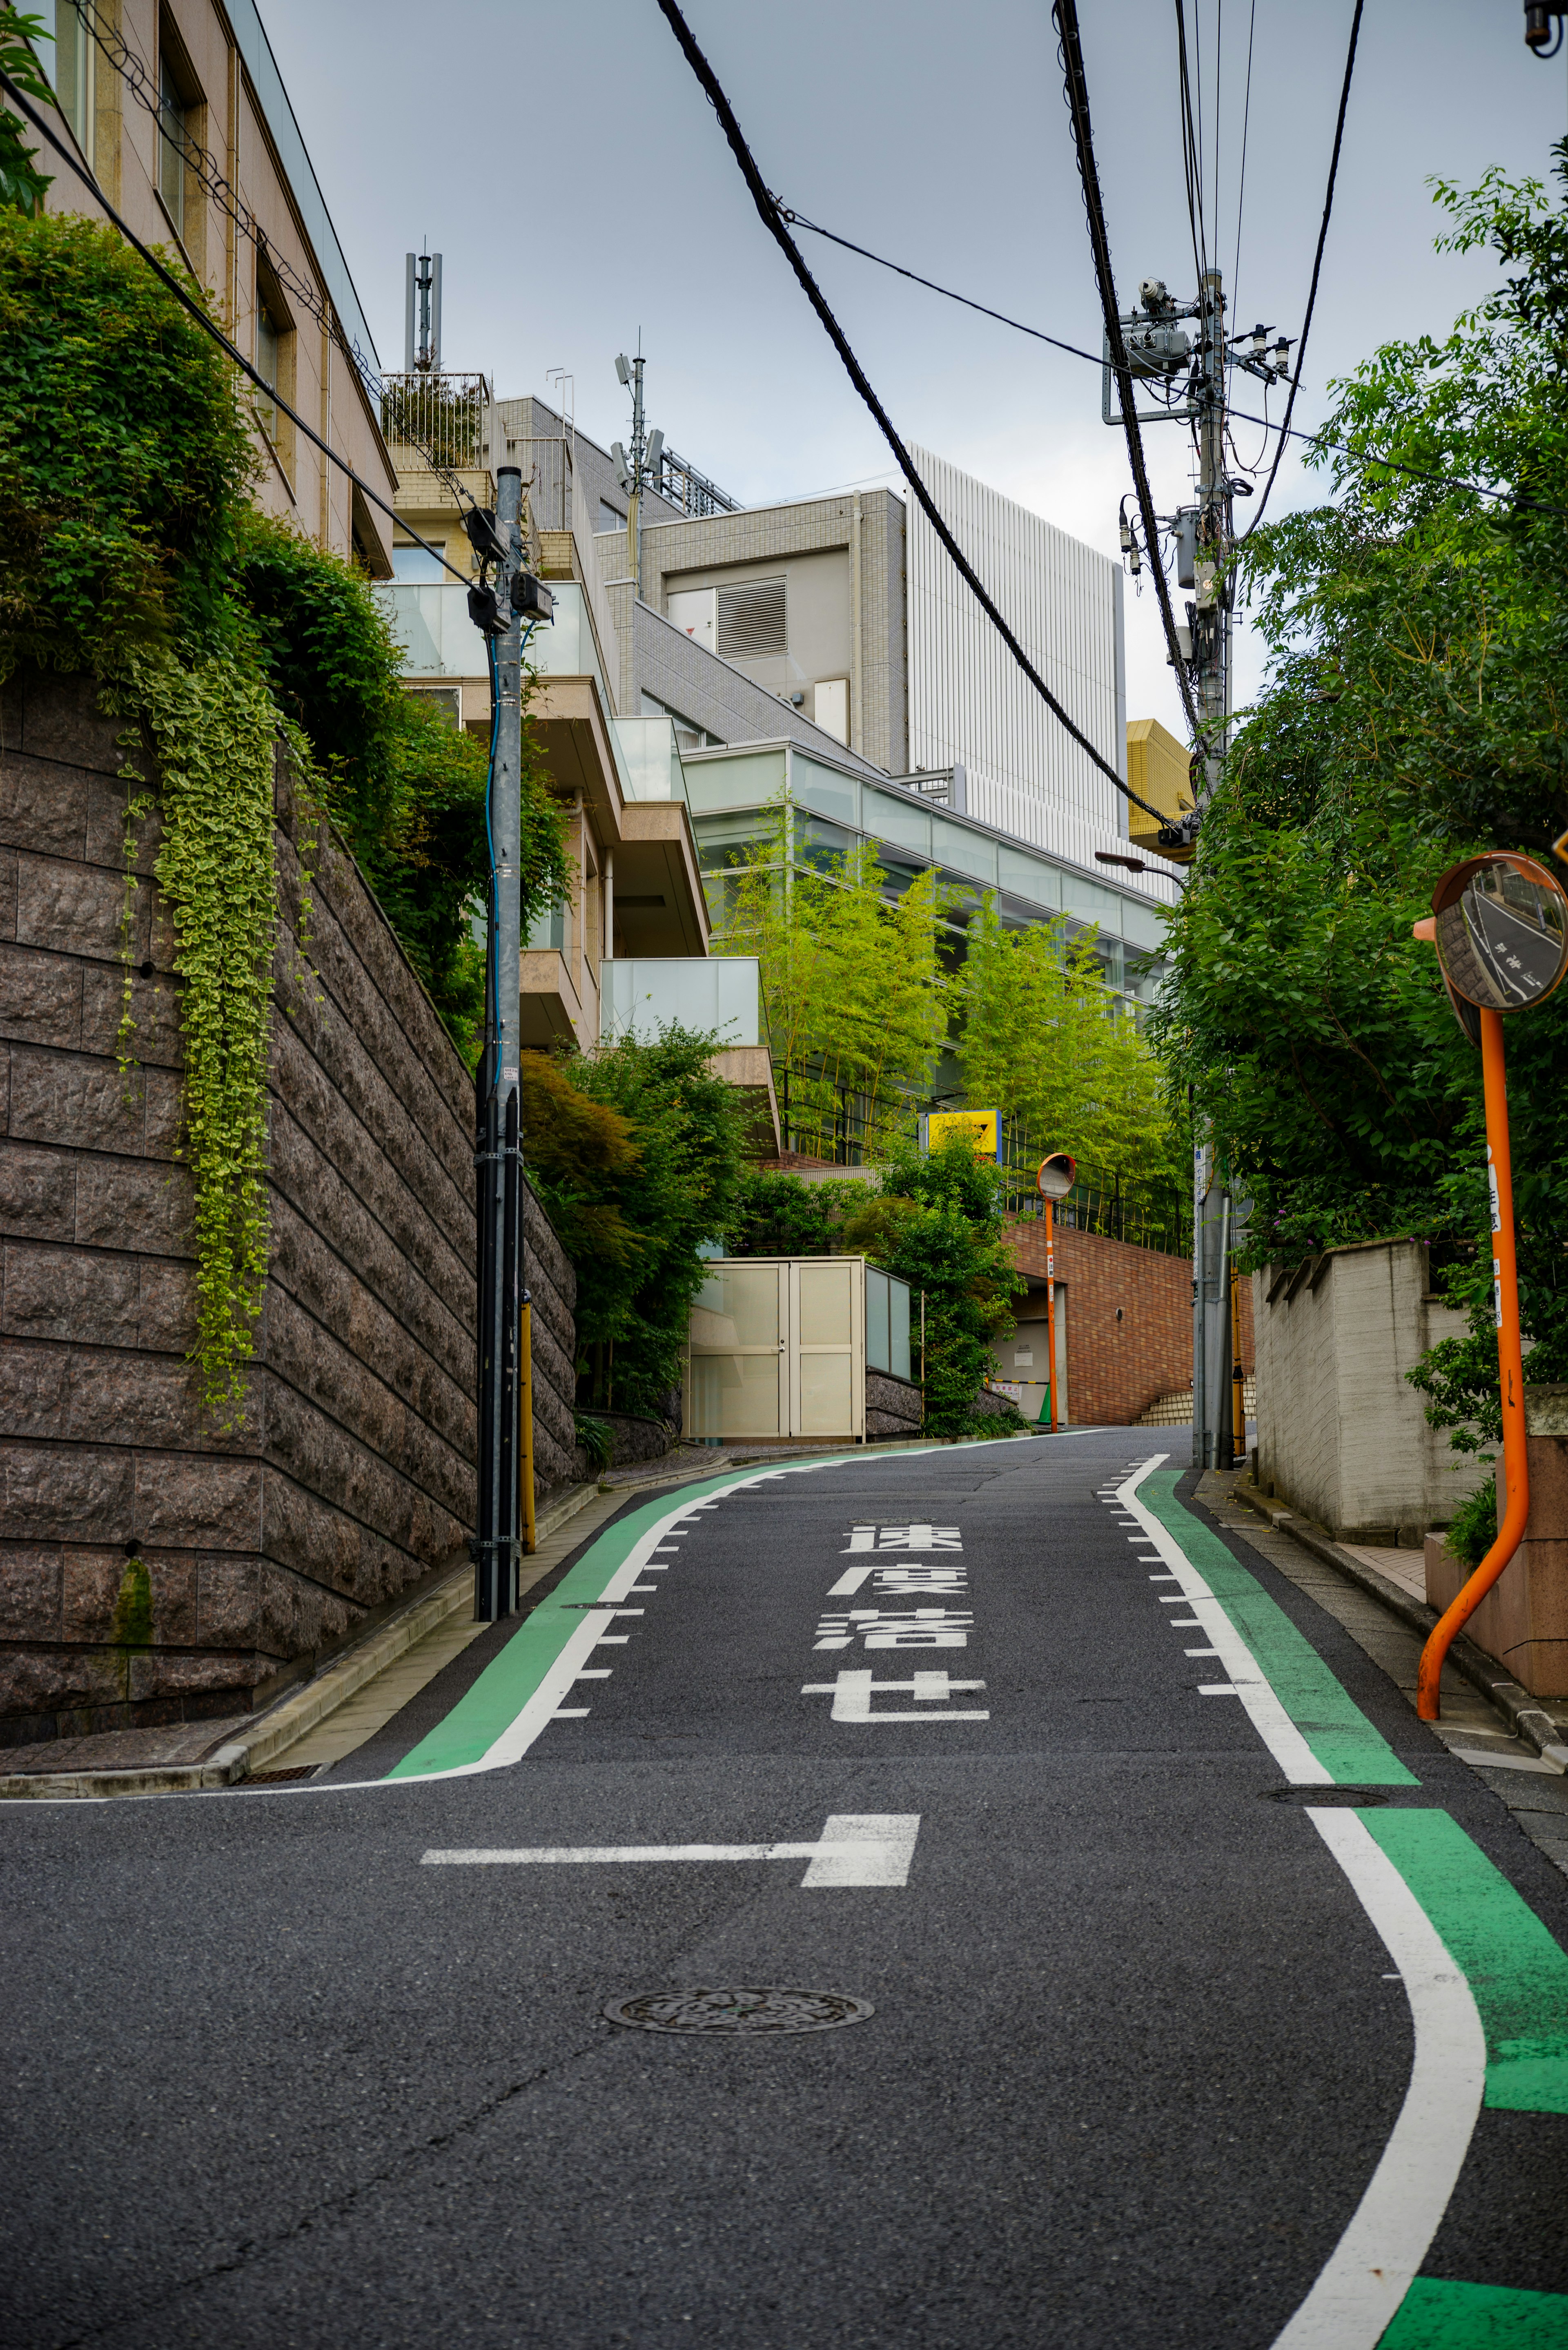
<point>188,302</point>
<point>1096,358</point>
<point>771,214</point>
<point>1071,56</point>
<point>1316,269</point>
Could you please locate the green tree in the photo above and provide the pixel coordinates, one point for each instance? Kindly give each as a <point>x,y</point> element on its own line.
<point>1043,1039</point>
<point>22,185</point>
<point>853,983</point>
<point>1412,713</point>
<point>637,1151</point>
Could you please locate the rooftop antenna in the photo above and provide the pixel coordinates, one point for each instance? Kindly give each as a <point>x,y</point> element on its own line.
<point>421,313</point>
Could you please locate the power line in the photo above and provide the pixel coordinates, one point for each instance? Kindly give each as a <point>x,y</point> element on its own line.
<point>1316,270</point>
<point>188,302</point>
<point>1072,57</point>
<point>771,216</point>
<point>1242,182</point>
<point>1096,358</point>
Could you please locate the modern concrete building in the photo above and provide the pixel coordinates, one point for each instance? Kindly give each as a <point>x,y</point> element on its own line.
<point>200,106</point>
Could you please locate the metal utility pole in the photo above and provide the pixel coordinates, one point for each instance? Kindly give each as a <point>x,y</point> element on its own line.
<point>642,468</point>
<point>1186,375</point>
<point>498,606</point>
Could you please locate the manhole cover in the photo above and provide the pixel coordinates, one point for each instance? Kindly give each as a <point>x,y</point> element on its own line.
<point>1342,1798</point>
<point>738,2010</point>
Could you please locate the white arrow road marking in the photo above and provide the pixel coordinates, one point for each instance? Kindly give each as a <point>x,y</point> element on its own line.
<point>1375,2261</point>
<point>854,1849</point>
<point>1248,1680</point>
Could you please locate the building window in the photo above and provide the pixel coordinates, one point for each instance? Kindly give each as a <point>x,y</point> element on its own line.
<point>609,517</point>
<point>172,143</point>
<point>414,563</point>
<point>68,64</point>
<point>274,365</point>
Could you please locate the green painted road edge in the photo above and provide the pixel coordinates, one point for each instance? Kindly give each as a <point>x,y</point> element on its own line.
<point>510,1679</point>
<point>1517,1972</point>
<point>1332,1724</point>
<point>1436,2315</point>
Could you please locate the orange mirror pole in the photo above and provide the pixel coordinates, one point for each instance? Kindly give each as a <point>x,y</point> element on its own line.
<point>1511,1377</point>
<point>1051,1310</point>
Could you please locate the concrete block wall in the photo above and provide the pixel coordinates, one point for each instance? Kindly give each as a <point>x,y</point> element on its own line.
<point>1129,1319</point>
<point>348,1483</point>
<point>1342,1434</point>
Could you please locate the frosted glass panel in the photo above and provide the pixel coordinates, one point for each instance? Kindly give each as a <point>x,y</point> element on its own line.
<point>876,1354</point>
<point>825,1305</point>
<point>824,789</point>
<point>898,1328</point>
<point>824,1395</point>
<point>717,781</point>
<point>738,1306</point>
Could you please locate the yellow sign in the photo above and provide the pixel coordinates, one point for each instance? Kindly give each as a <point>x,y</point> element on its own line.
<point>982,1125</point>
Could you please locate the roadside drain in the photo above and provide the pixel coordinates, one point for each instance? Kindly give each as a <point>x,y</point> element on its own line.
<point>1359,1799</point>
<point>731,2012</point>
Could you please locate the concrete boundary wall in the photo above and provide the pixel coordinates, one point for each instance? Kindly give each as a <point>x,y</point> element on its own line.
<point>348,1485</point>
<point>1342,1434</point>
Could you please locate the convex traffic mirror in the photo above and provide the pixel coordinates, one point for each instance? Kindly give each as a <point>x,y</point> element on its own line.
<point>1057,1175</point>
<point>1502,930</point>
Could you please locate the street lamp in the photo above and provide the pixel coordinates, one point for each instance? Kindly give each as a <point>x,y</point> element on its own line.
<point>1499,924</point>
<point>1057,1175</point>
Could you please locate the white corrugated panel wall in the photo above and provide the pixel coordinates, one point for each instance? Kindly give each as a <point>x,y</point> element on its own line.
<point>969,700</point>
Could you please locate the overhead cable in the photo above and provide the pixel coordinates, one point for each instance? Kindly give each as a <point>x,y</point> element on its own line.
<point>188,301</point>
<point>1071,56</point>
<point>772,214</point>
<point>1096,358</point>
<point>1316,269</point>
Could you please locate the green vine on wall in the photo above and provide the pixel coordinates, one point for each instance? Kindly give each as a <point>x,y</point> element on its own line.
<point>215,727</point>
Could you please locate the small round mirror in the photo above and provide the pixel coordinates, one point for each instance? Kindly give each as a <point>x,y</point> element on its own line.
<point>1057,1175</point>
<point>1502,930</point>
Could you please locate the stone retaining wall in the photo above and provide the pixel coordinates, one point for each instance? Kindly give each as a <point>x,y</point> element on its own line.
<point>894,1407</point>
<point>151,1570</point>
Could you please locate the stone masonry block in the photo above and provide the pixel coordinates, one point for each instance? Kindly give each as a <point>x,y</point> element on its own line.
<point>7,893</point>
<point>38,1192</point>
<point>61,720</point>
<point>71,1492</point>
<point>155,1039</point>
<point>125,1203</point>
<point>148,1400</point>
<point>40,997</point>
<point>186,1502</point>
<point>66,1098</point>
<point>67,907</point>
<point>82,1294</point>
<point>107,802</point>
<point>167,1306</point>
<point>30,1580</point>
<point>43,806</point>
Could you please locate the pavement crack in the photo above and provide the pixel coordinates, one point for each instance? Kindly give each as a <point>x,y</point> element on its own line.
<point>331,2208</point>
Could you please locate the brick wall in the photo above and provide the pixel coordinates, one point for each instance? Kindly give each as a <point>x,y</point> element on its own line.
<point>1116,1367</point>
<point>349,1482</point>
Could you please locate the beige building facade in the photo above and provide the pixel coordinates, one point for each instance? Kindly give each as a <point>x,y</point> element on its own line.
<point>167,103</point>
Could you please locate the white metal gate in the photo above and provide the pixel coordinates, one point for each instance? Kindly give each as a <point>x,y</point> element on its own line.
<point>777,1348</point>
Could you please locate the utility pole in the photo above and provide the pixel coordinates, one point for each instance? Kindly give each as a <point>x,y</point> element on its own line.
<point>1185,374</point>
<point>639,469</point>
<point>498,606</point>
<point>421,313</point>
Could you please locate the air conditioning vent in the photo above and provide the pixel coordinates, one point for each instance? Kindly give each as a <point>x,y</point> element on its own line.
<point>751,619</point>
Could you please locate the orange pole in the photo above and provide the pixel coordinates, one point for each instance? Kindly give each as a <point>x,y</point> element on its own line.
<point>1511,1377</point>
<point>1238,1377</point>
<point>1051,1307</point>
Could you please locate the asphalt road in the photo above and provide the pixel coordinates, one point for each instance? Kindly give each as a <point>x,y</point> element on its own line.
<point>1138,2048</point>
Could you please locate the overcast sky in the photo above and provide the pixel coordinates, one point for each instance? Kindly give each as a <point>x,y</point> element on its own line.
<point>563,160</point>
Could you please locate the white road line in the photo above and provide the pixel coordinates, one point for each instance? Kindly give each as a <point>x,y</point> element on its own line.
<point>1375,2261</point>
<point>1248,1680</point>
<point>854,1849</point>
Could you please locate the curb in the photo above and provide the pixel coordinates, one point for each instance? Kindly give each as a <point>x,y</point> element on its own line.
<point>282,1724</point>
<point>1518,1709</point>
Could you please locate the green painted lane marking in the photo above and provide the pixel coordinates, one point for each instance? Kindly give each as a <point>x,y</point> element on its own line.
<point>1517,1973</point>
<point>1333,1725</point>
<point>1437,2315</point>
<point>510,1678</point>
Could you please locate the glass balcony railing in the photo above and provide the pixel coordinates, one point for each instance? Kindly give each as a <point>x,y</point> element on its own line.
<point>713,994</point>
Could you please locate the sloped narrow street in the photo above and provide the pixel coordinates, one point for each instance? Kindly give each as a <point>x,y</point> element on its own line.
<point>1212,2000</point>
